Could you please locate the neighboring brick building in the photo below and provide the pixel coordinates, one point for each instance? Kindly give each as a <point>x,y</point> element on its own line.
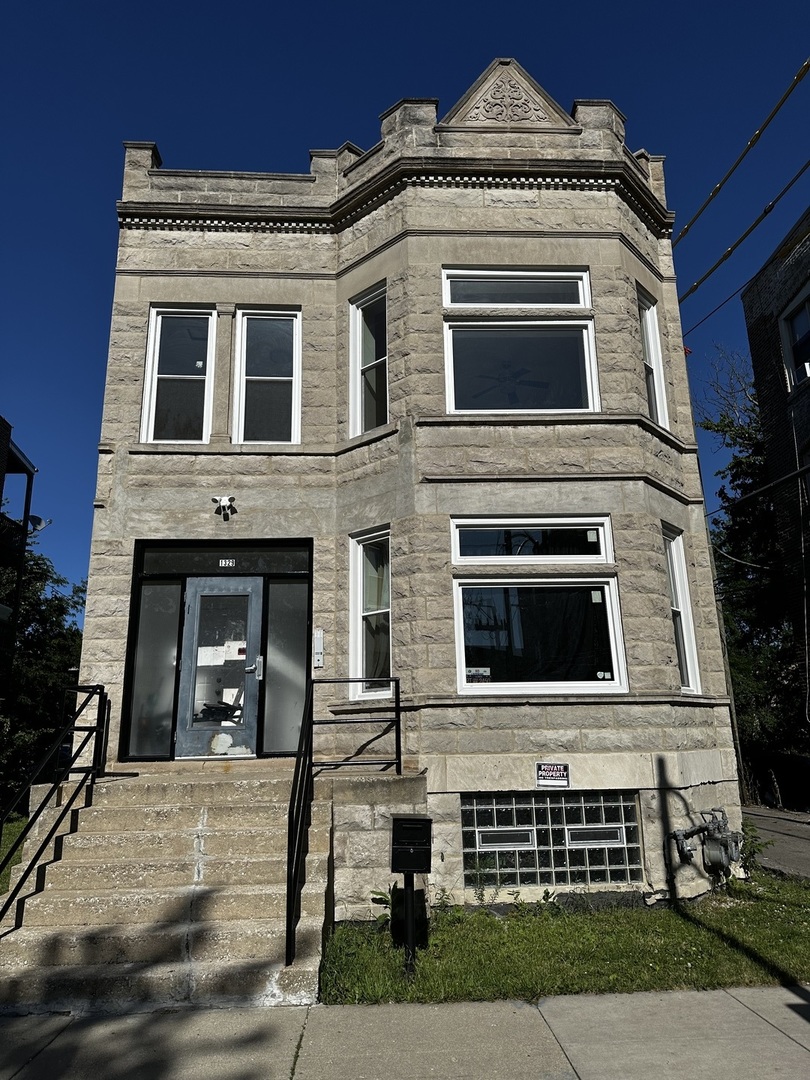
<point>427,405</point>
<point>776,304</point>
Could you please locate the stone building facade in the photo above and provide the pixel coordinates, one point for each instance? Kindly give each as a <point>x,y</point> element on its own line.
<point>421,413</point>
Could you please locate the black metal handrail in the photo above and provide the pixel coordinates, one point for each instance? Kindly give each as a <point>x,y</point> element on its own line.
<point>300,813</point>
<point>95,733</point>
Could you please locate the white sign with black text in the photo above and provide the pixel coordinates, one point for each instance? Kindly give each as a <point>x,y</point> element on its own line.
<point>552,774</point>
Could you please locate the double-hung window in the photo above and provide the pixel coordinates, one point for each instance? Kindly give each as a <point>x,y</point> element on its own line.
<point>651,357</point>
<point>795,328</point>
<point>681,609</point>
<point>369,359</point>
<point>519,341</point>
<point>267,401</point>
<point>179,376</point>
<point>539,610</point>
<point>371,601</point>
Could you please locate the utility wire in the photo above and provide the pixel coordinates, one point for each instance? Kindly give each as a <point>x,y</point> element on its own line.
<point>797,78</point>
<point>730,251</point>
<point>758,491</point>
<point>720,305</point>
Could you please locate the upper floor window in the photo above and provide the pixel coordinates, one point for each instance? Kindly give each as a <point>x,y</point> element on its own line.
<point>651,356</point>
<point>795,327</point>
<point>178,388</point>
<point>369,359</point>
<point>524,363</point>
<point>267,399</point>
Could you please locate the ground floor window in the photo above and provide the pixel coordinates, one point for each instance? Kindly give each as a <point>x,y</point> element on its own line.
<point>514,839</point>
<point>546,636</point>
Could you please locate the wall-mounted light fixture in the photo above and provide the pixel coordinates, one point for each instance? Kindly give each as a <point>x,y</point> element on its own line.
<point>225,506</point>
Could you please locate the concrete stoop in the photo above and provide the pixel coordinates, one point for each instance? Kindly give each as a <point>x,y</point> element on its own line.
<point>169,890</point>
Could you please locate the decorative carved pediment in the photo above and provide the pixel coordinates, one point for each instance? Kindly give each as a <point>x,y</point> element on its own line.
<point>507,102</point>
<point>506,96</point>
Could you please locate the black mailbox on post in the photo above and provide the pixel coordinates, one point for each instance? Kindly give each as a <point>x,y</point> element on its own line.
<point>411,839</point>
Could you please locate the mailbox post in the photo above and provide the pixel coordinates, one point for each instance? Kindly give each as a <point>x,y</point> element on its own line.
<point>411,843</point>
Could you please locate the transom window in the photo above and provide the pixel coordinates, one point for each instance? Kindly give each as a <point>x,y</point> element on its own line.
<point>523,364</point>
<point>267,402</point>
<point>532,540</point>
<point>514,288</point>
<point>178,388</point>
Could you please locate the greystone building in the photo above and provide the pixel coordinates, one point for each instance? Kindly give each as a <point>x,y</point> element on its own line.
<point>420,414</point>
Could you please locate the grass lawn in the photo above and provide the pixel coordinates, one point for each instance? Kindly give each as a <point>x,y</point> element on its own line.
<point>748,934</point>
<point>11,831</point>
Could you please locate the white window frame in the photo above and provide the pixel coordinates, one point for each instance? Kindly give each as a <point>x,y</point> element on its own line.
<point>356,410</point>
<point>579,276</point>
<point>242,316</point>
<point>600,523</point>
<point>589,338</point>
<point>616,685</point>
<point>795,375</point>
<point>681,609</point>
<point>357,612</point>
<point>652,359</point>
<point>156,316</point>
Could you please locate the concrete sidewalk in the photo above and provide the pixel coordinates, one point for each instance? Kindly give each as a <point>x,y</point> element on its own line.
<point>749,1034</point>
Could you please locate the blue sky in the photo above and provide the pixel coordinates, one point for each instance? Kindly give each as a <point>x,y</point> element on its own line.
<point>254,86</point>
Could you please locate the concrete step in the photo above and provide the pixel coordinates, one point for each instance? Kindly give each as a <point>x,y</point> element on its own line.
<point>121,988</point>
<point>237,939</point>
<point>201,792</point>
<point>203,903</point>
<point>205,870</point>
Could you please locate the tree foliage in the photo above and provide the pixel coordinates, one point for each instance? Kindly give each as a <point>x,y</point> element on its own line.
<point>752,575</point>
<point>46,659</point>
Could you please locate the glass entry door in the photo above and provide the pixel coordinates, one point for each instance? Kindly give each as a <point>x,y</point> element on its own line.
<point>221,667</point>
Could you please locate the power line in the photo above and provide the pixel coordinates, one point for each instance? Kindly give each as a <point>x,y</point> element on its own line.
<point>730,251</point>
<point>797,78</point>
<point>715,310</point>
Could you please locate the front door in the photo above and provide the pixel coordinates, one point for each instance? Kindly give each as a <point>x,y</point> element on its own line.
<point>221,667</point>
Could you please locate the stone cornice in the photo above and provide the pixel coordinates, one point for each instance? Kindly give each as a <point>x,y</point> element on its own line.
<point>494,174</point>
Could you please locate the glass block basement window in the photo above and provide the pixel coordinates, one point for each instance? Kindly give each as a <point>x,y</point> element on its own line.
<point>524,838</point>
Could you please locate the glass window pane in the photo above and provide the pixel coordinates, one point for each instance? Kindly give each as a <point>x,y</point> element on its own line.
<point>376,648</point>
<point>268,347</point>
<point>538,633</point>
<point>179,409</point>
<point>154,671</point>
<point>287,664</point>
<point>183,346</point>
<point>375,575</point>
<point>268,410</point>
<point>204,561</point>
<point>525,368</point>
<point>219,679</point>
<point>374,344</point>
<point>557,542</point>
<point>374,390</point>
<point>517,290</point>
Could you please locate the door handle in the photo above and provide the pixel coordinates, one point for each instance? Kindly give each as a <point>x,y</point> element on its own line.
<point>256,669</point>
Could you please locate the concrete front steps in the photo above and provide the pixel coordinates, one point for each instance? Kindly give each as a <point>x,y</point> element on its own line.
<point>170,889</point>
